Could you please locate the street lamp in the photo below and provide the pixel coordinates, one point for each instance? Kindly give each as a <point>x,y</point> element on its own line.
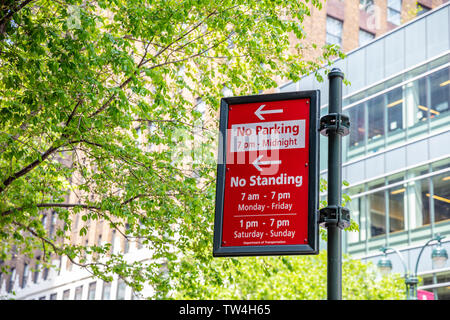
<point>439,257</point>
<point>384,265</point>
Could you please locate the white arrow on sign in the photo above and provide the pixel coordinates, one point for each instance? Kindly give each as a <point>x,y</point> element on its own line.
<point>257,162</point>
<point>259,112</point>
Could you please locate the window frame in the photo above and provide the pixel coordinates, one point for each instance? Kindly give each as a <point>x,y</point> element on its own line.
<point>365,5</point>
<point>362,31</point>
<point>336,22</point>
<point>108,286</point>
<point>394,9</point>
<point>92,289</point>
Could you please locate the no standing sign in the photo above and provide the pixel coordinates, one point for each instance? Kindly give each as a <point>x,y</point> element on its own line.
<point>267,175</point>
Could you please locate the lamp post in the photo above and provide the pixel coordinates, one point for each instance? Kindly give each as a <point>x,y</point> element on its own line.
<point>439,257</point>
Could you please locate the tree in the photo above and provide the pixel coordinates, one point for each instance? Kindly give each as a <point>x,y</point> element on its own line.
<point>286,277</point>
<point>98,119</point>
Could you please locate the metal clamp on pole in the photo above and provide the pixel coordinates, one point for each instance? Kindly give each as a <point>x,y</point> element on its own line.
<point>335,216</point>
<point>337,123</point>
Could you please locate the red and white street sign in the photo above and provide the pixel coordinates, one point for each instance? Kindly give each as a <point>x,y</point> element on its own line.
<point>266,198</point>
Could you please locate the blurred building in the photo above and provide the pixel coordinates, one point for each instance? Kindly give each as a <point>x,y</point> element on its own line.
<point>397,156</point>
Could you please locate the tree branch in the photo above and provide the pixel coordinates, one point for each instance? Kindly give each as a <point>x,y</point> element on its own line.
<point>73,112</point>
<point>144,61</point>
<point>28,168</point>
<point>111,98</point>
<point>57,250</point>
<point>41,158</point>
<point>52,205</point>
<point>9,15</point>
<point>69,205</point>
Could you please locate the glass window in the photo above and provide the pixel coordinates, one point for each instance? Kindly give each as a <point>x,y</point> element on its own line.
<point>45,273</point>
<point>394,8</point>
<point>120,295</point>
<point>416,112</point>
<point>377,211</point>
<point>356,97</point>
<point>393,81</point>
<point>52,224</point>
<point>25,275</point>
<point>416,72</point>
<point>375,89</point>
<point>439,94</point>
<point>106,293</point>
<point>66,294</point>
<point>357,134</point>
<point>44,221</point>
<point>396,208</point>
<point>127,241</point>
<point>113,241</point>
<point>375,110</point>
<point>422,9</point>
<point>356,70</point>
<point>365,5</point>
<point>395,119</point>
<point>357,213</point>
<point>419,203</point>
<point>91,292</point>
<point>365,37</point>
<point>53,296</point>
<point>441,164</point>
<point>395,106</point>
<point>438,62</point>
<point>441,196</point>
<point>334,31</point>
<point>395,5</point>
<point>36,270</point>
<point>12,278</point>
<point>78,292</point>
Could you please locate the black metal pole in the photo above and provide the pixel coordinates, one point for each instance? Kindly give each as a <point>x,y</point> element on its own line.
<point>334,248</point>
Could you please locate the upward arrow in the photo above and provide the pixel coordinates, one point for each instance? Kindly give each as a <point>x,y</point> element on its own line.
<point>259,112</point>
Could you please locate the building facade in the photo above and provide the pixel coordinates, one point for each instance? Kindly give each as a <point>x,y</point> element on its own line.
<point>396,158</point>
<point>351,23</point>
